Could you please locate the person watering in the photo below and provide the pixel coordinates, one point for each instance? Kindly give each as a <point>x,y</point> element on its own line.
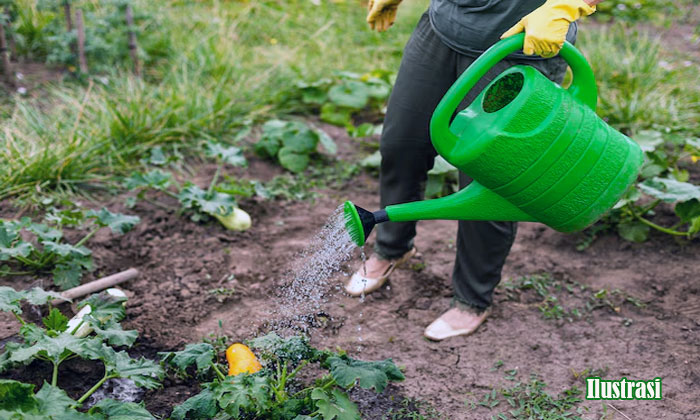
<point>447,40</point>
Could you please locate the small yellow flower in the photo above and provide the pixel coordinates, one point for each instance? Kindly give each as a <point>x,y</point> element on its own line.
<point>273,41</point>
<point>694,158</point>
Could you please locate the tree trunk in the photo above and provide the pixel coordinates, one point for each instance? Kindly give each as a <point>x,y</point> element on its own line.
<point>80,27</point>
<point>5,55</point>
<point>68,14</point>
<point>133,47</point>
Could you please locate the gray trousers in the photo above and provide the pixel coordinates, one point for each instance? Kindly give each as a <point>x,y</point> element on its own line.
<point>428,69</point>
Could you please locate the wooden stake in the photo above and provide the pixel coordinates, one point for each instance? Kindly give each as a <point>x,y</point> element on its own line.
<point>69,15</point>
<point>82,61</point>
<point>5,55</point>
<point>133,47</point>
<point>98,285</point>
<point>11,38</point>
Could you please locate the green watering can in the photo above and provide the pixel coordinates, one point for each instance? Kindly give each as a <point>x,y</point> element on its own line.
<point>537,152</point>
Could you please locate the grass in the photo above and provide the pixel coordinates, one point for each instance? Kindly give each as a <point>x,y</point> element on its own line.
<point>213,67</point>
<point>223,64</point>
<point>529,400</point>
<point>561,299</point>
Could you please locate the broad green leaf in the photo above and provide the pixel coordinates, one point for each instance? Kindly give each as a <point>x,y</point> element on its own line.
<point>145,373</point>
<point>112,332</point>
<point>229,154</point>
<point>45,233</point>
<point>336,115</point>
<point>670,190</point>
<point>194,198</point>
<point>688,210</point>
<point>292,350</point>
<point>104,306</point>
<point>157,157</point>
<point>334,405</point>
<point>11,245</point>
<point>243,393</point>
<point>268,146</point>
<point>200,354</point>
<point>51,348</point>
<point>155,179</point>
<point>65,250</point>
<point>200,407</point>
<point>649,140</point>
<point>434,186</point>
<point>377,88</point>
<point>53,401</point>
<point>31,333</point>
<point>55,321</point>
<point>117,222</point>
<point>350,94</point>
<point>346,371</point>
<point>633,231</point>
<point>17,396</point>
<point>67,275</point>
<point>294,162</point>
<point>364,130</point>
<point>327,142</point>
<point>120,410</point>
<point>66,217</point>
<point>298,137</point>
<point>9,300</point>
<point>38,296</point>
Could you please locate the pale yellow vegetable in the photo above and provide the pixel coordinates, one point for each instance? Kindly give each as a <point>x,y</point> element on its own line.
<point>237,220</point>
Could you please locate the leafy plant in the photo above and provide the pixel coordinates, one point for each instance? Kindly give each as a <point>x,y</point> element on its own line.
<point>530,400</point>
<point>58,342</point>
<point>343,97</point>
<point>275,392</point>
<point>291,143</point>
<point>46,251</point>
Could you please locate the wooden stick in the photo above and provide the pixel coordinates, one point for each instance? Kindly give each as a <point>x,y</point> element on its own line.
<point>133,47</point>
<point>5,55</point>
<point>82,61</point>
<point>68,14</point>
<point>98,285</point>
<point>11,38</point>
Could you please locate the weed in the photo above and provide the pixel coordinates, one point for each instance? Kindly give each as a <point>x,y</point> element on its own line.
<point>412,409</point>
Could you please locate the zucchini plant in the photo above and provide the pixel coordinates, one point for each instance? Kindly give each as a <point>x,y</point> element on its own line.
<point>93,336</point>
<point>29,248</point>
<point>273,390</point>
<point>292,143</point>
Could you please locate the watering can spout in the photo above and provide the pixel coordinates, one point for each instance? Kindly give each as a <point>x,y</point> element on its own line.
<point>475,202</point>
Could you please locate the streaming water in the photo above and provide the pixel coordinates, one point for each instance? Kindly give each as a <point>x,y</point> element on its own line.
<point>307,285</point>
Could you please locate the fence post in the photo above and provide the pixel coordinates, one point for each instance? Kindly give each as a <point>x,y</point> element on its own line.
<point>68,14</point>
<point>80,27</point>
<point>6,67</point>
<point>133,47</point>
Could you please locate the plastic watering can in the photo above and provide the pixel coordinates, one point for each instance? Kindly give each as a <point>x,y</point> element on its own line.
<point>537,152</point>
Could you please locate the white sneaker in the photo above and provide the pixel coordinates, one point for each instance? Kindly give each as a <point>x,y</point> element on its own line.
<point>374,273</point>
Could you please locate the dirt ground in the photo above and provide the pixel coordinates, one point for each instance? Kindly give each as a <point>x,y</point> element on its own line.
<point>182,264</point>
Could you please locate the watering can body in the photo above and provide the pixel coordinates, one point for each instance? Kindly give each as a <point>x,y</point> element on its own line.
<point>536,151</point>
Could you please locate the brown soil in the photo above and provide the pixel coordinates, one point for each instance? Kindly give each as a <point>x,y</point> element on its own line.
<point>182,263</point>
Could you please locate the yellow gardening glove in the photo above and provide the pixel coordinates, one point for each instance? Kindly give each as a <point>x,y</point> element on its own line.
<point>382,14</point>
<point>546,27</point>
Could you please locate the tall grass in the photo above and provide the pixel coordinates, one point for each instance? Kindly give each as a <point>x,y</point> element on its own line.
<point>640,85</point>
<point>222,63</point>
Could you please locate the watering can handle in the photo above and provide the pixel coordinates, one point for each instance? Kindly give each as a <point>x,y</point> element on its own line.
<point>583,88</point>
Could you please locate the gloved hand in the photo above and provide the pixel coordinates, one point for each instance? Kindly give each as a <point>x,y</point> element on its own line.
<point>546,27</point>
<point>382,14</point>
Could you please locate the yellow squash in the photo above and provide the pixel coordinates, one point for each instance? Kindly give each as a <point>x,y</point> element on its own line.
<point>240,359</point>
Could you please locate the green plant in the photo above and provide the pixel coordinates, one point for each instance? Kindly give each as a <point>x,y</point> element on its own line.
<point>47,251</point>
<point>274,392</point>
<point>292,143</point>
<point>412,409</point>
<point>656,11</point>
<point>529,400</point>
<point>58,343</point>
